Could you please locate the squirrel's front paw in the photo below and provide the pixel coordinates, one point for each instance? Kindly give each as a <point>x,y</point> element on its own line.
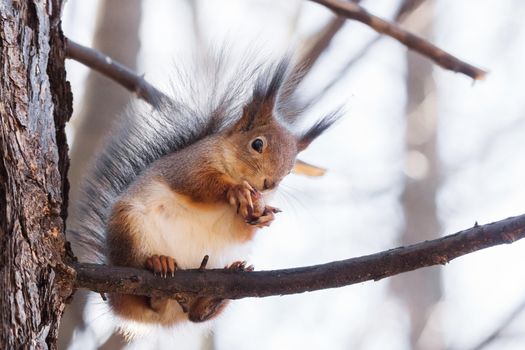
<point>250,205</point>
<point>246,199</point>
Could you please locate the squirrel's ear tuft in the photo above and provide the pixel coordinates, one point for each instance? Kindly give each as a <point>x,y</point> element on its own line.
<point>259,110</point>
<point>317,129</point>
<point>273,88</point>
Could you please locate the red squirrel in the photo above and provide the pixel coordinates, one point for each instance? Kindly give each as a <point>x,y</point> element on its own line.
<point>179,182</point>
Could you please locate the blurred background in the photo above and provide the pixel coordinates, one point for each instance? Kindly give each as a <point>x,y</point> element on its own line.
<point>421,152</point>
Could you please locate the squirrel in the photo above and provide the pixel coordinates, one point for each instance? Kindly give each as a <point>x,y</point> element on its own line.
<point>182,180</point>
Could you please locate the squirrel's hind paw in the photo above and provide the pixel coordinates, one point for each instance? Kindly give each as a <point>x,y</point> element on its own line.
<point>240,266</point>
<point>206,308</point>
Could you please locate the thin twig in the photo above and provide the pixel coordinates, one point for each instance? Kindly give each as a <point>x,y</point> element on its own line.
<point>343,71</point>
<point>319,43</point>
<point>204,262</point>
<point>235,285</point>
<point>323,40</point>
<point>405,10</point>
<point>494,335</point>
<point>354,11</point>
<point>115,71</point>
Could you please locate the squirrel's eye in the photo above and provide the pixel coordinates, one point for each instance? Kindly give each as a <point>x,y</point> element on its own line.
<point>258,145</point>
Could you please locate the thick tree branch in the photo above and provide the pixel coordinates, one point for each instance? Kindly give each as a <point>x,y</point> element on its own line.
<point>236,285</point>
<point>354,11</point>
<point>115,71</point>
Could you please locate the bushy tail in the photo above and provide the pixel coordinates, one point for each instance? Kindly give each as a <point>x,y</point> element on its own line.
<point>203,103</point>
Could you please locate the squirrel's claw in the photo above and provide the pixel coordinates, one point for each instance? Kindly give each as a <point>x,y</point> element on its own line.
<point>248,192</point>
<point>240,266</point>
<point>161,265</point>
<point>263,221</point>
<point>266,218</point>
<point>242,197</point>
<point>271,209</point>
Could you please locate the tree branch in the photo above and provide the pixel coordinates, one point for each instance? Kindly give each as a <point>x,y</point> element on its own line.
<point>115,71</point>
<point>316,47</point>
<point>354,11</point>
<point>235,285</point>
<point>404,11</point>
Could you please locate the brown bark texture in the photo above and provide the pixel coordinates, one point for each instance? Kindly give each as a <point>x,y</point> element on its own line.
<point>35,103</point>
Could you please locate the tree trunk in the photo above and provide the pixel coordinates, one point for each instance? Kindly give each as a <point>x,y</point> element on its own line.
<point>420,290</point>
<point>35,103</point>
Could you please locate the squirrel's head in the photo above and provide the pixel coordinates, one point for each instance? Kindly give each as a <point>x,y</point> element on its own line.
<point>262,148</point>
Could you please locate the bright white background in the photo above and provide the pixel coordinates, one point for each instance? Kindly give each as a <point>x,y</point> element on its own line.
<point>355,208</point>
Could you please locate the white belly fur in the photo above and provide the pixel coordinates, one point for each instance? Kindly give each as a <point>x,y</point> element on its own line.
<point>171,225</point>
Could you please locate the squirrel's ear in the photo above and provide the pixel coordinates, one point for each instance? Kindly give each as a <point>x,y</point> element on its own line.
<point>255,113</point>
<point>317,129</point>
<point>259,110</point>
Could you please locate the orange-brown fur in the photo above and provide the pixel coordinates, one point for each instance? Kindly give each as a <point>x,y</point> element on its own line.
<point>199,177</point>
<point>182,205</point>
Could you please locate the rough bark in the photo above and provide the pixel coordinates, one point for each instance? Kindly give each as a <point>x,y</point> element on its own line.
<point>35,103</point>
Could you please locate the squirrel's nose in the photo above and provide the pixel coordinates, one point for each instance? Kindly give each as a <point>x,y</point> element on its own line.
<point>268,184</point>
